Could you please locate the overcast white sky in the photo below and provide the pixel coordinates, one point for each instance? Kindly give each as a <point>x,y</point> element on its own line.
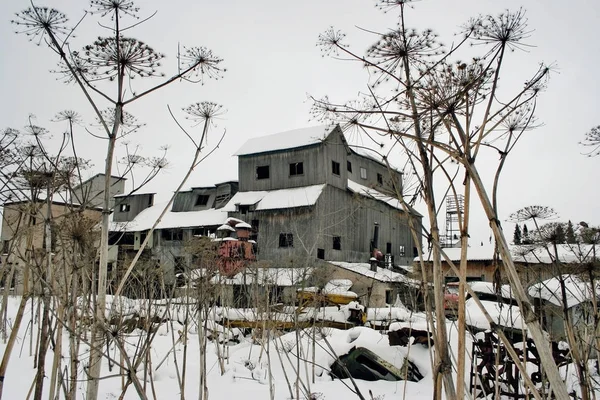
<point>273,63</point>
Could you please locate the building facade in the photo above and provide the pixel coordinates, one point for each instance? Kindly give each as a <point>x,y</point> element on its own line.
<point>307,193</point>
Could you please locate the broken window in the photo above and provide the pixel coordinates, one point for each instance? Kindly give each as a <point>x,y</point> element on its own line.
<point>363,173</point>
<point>337,243</point>
<point>296,169</point>
<point>321,254</point>
<point>5,246</point>
<point>286,240</point>
<point>202,200</point>
<point>124,207</point>
<point>335,167</point>
<point>349,166</point>
<point>402,251</point>
<point>171,234</point>
<point>380,179</point>
<point>262,172</point>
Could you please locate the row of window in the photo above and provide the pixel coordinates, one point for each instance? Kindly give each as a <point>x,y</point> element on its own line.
<point>297,168</point>
<point>287,240</point>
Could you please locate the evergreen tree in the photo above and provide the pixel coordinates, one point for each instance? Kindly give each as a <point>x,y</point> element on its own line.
<point>517,234</point>
<point>570,233</point>
<point>525,239</point>
<point>559,233</point>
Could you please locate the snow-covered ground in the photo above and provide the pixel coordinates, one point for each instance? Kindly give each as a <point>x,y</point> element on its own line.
<point>248,361</point>
<point>246,365</point>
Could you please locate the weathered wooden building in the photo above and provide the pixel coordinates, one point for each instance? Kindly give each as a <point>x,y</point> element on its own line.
<point>195,212</point>
<point>307,194</point>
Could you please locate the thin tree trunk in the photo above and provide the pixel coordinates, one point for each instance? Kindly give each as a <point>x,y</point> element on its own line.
<point>462,326</point>
<point>533,325</point>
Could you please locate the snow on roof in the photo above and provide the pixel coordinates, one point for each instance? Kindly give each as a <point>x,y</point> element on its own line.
<point>567,253</point>
<point>474,253</point>
<point>371,154</point>
<point>144,220</point>
<point>382,274</point>
<point>226,227</point>
<point>276,199</point>
<point>502,314</point>
<point>488,288</point>
<point>576,290</point>
<point>376,195</point>
<point>268,276</point>
<point>286,140</point>
<point>243,225</point>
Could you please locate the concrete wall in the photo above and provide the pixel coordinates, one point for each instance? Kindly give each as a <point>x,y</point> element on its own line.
<point>67,223</point>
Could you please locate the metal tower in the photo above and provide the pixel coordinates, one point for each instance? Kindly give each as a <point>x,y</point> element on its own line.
<point>455,206</point>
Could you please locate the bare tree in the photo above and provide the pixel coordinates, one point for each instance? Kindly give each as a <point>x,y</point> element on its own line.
<point>116,59</point>
<point>439,109</point>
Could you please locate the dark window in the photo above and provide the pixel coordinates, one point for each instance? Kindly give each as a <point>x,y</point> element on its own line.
<point>244,209</point>
<point>240,296</point>
<point>5,246</point>
<point>363,173</point>
<point>286,240</point>
<point>415,252</point>
<point>199,232</point>
<point>349,166</point>
<point>4,278</point>
<point>124,207</point>
<point>296,169</point>
<point>172,234</point>
<point>380,179</point>
<point>143,237</point>
<point>335,167</point>
<point>33,221</point>
<point>120,238</point>
<point>150,200</point>
<point>262,172</point>
<point>388,248</point>
<point>276,294</point>
<point>337,243</point>
<point>254,233</point>
<point>389,297</point>
<point>402,251</point>
<point>321,254</point>
<point>202,200</point>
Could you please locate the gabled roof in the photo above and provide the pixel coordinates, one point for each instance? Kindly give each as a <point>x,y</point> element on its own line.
<point>276,199</point>
<point>286,140</point>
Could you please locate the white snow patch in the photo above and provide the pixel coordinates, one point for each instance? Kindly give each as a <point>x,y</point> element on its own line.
<point>286,140</point>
